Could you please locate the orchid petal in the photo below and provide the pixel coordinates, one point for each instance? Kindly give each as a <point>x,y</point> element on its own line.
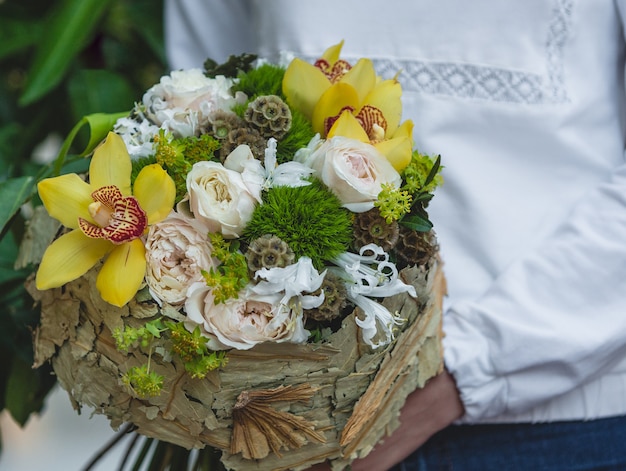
<point>335,99</point>
<point>398,151</point>
<point>331,55</point>
<point>122,273</point>
<point>155,190</point>
<point>348,126</point>
<point>387,97</point>
<point>303,84</point>
<point>69,257</point>
<point>66,198</point>
<point>404,130</point>
<point>111,165</point>
<point>362,77</point>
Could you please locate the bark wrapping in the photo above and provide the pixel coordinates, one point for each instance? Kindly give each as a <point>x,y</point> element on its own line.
<point>355,393</point>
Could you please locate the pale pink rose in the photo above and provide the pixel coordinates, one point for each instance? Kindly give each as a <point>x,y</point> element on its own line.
<point>244,322</point>
<point>182,101</point>
<point>177,250</point>
<point>353,170</point>
<point>219,198</point>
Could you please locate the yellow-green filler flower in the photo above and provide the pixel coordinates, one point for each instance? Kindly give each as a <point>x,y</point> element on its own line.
<point>107,220</point>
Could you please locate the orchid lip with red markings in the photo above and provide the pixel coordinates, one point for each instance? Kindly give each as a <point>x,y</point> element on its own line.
<point>118,218</point>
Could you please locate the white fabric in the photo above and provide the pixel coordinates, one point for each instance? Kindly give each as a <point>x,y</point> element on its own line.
<point>525,101</point>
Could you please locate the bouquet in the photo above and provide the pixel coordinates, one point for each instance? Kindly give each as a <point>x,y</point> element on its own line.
<point>248,264</point>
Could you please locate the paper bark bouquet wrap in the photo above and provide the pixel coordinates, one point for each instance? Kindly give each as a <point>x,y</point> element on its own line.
<point>248,265</point>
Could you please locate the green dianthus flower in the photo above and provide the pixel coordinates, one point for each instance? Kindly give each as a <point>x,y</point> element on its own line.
<point>309,219</point>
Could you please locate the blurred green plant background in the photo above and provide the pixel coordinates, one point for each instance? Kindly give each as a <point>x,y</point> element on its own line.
<point>59,61</point>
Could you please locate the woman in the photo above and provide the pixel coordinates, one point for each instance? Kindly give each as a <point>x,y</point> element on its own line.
<point>525,102</point>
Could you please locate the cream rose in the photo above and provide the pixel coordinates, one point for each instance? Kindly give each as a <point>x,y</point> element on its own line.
<point>219,198</point>
<point>353,170</point>
<point>177,249</point>
<point>244,322</point>
<point>182,101</point>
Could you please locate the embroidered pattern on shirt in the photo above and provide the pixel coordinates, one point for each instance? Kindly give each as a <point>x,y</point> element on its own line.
<point>490,83</point>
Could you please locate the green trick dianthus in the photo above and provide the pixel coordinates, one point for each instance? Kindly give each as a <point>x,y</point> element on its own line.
<point>309,219</point>
<point>266,79</point>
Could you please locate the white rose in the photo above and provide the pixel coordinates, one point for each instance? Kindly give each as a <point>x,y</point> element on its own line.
<point>219,198</point>
<point>177,249</point>
<point>353,170</point>
<point>182,101</point>
<point>244,322</point>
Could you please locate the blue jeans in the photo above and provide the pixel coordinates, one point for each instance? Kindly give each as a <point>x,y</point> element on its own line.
<point>598,445</point>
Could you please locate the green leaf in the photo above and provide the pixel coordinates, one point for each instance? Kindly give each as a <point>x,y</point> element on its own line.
<point>99,125</point>
<point>8,249</point>
<point>417,223</point>
<point>17,35</point>
<point>99,91</point>
<point>26,390</point>
<point>433,171</point>
<point>13,194</point>
<point>68,30</point>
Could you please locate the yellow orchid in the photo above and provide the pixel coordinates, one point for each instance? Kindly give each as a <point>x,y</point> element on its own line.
<point>331,89</point>
<point>106,220</point>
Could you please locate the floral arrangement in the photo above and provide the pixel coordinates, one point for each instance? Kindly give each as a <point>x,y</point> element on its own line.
<point>254,203</point>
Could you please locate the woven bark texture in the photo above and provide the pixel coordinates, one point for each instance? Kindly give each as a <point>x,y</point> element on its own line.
<point>333,400</point>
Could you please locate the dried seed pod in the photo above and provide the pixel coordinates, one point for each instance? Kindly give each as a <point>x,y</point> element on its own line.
<point>223,122</point>
<point>250,137</point>
<point>270,115</point>
<point>335,299</point>
<point>269,251</point>
<point>415,248</point>
<point>371,228</point>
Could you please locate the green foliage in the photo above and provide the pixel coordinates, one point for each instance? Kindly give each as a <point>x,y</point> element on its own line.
<point>309,219</point>
<point>264,80</point>
<point>422,175</point>
<point>177,156</point>
<point>59,60</point>
<point>133,336</point>
<point>231,276</point>
<point>231,68</point>
<point>190,347</point>
<point>298,136</point>
<point>393,203</point>
<point>143,382</point>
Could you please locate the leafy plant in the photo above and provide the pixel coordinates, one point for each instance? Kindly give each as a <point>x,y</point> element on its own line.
<point>60,60</point>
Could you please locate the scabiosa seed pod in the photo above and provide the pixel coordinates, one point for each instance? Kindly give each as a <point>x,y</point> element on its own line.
<point>415,248</point>
<point>270,115</point>
<point>335,299</point>
<point>244,135</point>
<point>371,228</point>
<point>223,122</point>
<point>268,251</point>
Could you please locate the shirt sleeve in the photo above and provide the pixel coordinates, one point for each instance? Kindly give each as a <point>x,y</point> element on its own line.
<point>555,319</point>
<point>199,29</point>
